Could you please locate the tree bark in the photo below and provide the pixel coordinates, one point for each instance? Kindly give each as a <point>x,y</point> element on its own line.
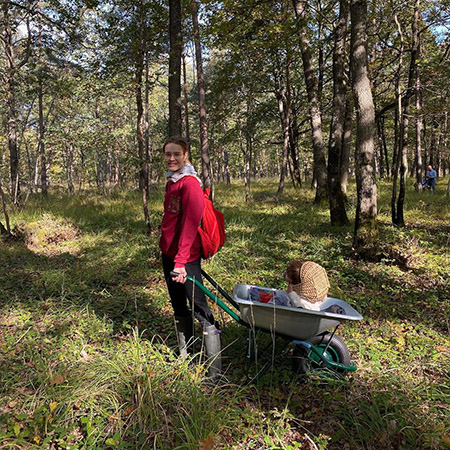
<point>344,166</point>
<point>226,167</point>
<point>44,179</point>
<point>418,98</point>
<point>338,214</point>
<point>175,127</point>
<point>147,127</point>
<point>292,130</point>
<point>69,167</point>
<point>320,169</point>
<point>365,233</point>
<point>206,166</point>
<point>283,110</point>
<point>10,85</point>
<point>398,121</point>
<point>187,133</point>
<point>5,211</point>
<point>140,56</point>
<point>293,144</point>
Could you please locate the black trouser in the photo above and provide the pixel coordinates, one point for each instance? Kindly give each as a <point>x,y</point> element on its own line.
<point>180,293</point>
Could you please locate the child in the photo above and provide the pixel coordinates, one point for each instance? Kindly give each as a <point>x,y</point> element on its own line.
<point>307,284</point>
<point>307,288</point>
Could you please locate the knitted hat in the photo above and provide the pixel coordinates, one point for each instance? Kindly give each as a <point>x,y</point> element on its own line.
<point>313,284</point>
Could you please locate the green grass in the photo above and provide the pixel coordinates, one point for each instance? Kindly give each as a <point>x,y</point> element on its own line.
<point>87,343</point>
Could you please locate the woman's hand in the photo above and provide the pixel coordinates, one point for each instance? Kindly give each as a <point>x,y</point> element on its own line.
<point>181,277</point>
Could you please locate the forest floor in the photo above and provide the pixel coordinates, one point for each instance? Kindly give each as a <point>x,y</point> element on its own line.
<point>87,344</point>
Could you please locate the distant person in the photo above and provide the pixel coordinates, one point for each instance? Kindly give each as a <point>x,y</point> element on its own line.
<point>181,251</point>
<point>431,178</point>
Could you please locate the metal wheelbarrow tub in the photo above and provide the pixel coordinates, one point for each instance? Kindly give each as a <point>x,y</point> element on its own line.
<point>297,323</point>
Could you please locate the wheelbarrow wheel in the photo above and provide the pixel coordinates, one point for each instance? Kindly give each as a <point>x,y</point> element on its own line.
<point>305,361</point>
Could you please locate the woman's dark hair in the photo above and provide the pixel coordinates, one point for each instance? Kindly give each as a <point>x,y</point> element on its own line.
<point>179,141</point>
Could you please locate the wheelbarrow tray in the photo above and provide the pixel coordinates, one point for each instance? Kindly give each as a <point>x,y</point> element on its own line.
<point>298,323</point>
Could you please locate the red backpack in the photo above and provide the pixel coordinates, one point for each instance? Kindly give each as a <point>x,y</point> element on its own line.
<point>211,229</point>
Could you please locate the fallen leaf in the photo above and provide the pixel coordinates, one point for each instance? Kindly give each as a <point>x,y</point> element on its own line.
<point>446,440</point>
<point>53,406</point>
<point>12,403</point>
<point>128,410</point>
<point>207,444</point>
<point>58,379</point>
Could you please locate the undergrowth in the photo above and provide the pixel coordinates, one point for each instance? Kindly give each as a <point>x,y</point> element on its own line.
<point>87,347</point>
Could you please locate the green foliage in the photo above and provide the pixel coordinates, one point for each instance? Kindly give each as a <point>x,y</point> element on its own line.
<point>87,342</point>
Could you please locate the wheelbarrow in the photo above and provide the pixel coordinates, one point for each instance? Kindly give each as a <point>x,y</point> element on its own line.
<point>315,348</point>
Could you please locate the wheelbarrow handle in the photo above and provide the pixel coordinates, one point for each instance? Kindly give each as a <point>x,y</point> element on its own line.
<point>213,297</point>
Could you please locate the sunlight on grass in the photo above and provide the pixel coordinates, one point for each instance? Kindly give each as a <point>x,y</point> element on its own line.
<point>87,342</point>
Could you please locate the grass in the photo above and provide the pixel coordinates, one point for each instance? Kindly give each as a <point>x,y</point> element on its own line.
<point>87,343</point>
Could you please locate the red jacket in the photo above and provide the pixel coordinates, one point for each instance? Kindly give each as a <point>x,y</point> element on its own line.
<point>183,209</point>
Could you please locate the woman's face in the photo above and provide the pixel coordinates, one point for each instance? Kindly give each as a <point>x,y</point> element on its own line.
<point>174,156</point>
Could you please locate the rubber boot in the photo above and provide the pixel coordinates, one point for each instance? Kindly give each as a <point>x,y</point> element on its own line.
<point>213,350</point>
<point>184,327</point>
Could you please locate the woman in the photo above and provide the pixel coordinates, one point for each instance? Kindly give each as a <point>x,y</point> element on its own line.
<point>180,246</point>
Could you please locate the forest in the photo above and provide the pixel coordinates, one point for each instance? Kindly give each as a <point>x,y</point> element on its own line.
<point>315,126</point>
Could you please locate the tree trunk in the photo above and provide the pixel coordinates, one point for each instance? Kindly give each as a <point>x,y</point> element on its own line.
<point>44,180</point>
<point>140,134</point>
<point>397,154</point>
<point>338,215</point>
<point>69,167</point>
<point>227,167</point>
<point>281,88</point>
<point>4,230</point>
<point>10,87</point>
<point>384,159</point>
<point>380,154</point>
<point>175,128</point>
<point>404,123</point>
<point>320,169</point>
<point>187,133</point>
<point>293,144</point>
<point>365,234</point>
<point>418,97</point>
<point>206,169</point>
<point>147,128</point>
<point>344,163</point>
<point>246,151</point>
<point>283,110</point>
<point>292,130</point>
<point>385,148</point>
